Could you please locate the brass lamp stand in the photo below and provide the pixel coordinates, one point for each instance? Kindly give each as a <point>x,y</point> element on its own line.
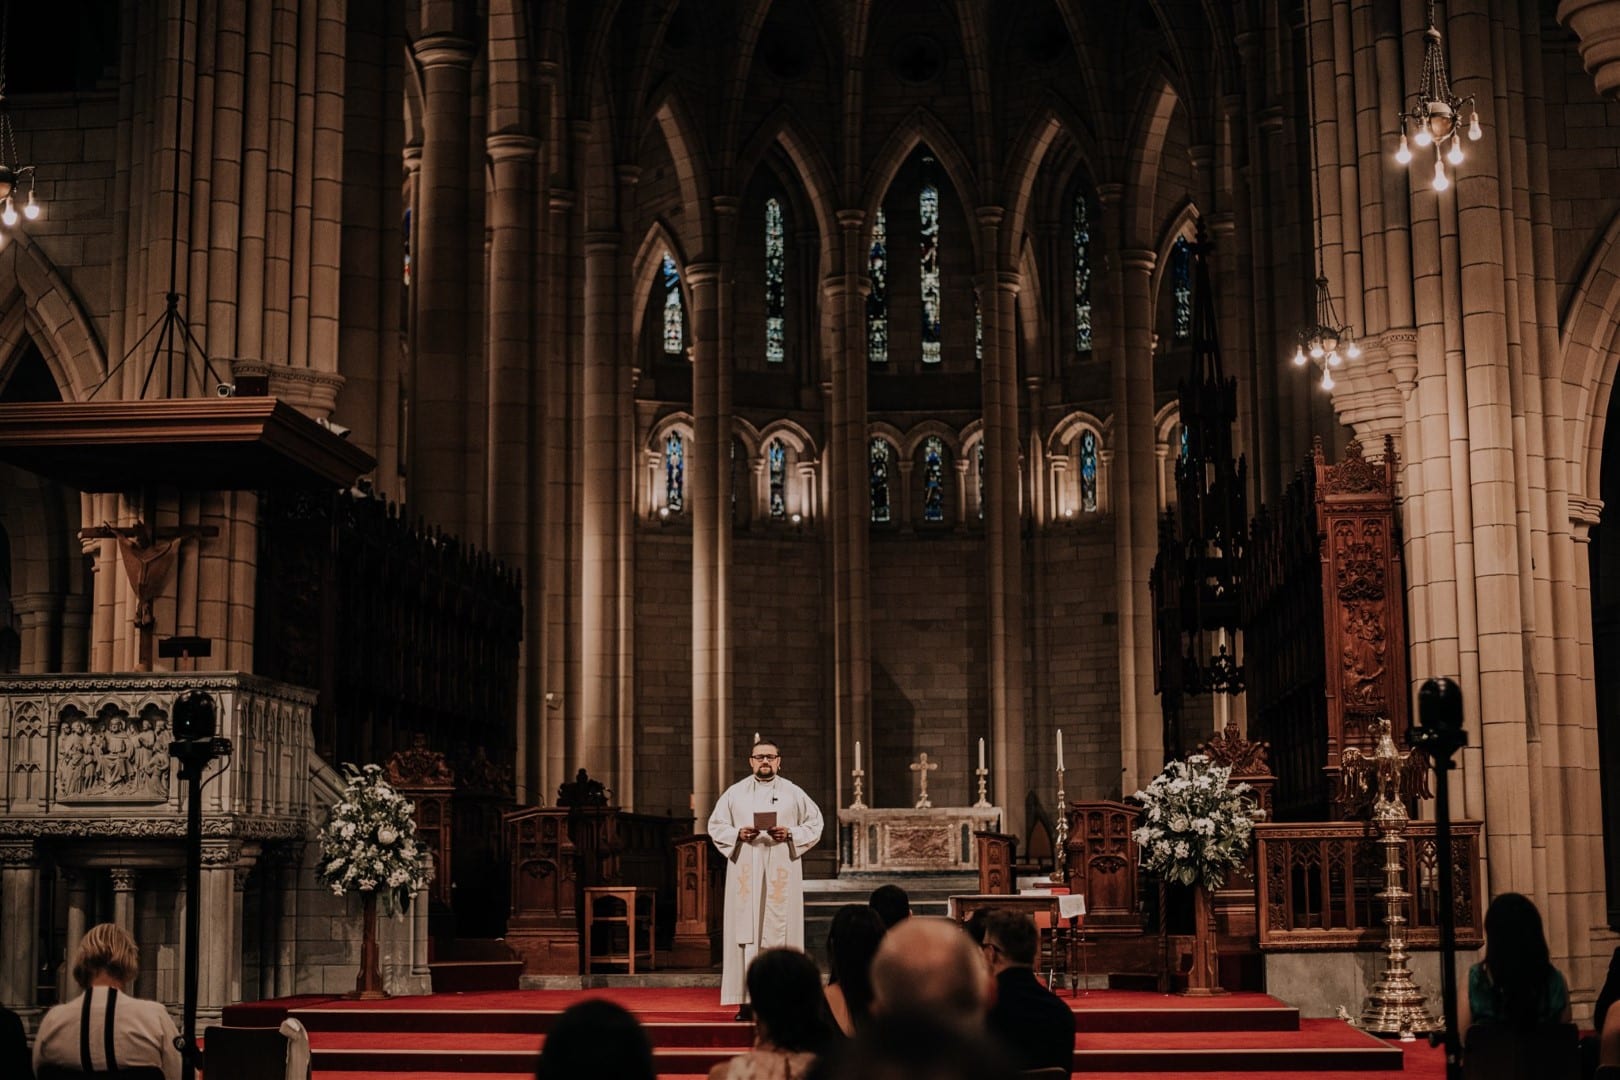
<point>1388,776</point>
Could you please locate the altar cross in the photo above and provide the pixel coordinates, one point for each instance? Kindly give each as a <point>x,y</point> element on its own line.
<point>922,767</point>
<point>148,555</point>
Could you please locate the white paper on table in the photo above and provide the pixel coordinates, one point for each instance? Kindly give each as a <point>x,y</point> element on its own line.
<point>1071,906</point>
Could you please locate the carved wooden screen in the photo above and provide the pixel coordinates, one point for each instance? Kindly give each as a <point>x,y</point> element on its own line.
<point>1364,596</point>
<point>1282,646</point>
<point>1103,862</point>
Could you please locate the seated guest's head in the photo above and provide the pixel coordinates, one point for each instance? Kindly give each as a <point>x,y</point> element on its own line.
<point>891,903</point>
<point>1010,940</point>
<point>1517,959</point>
<point>929,965</point>
<point>852,942</point>
<point>975,923</point>
<point>598,1039</point>
<point>107,956</point>
<point>915,1047</point>
<point>790,1010</point>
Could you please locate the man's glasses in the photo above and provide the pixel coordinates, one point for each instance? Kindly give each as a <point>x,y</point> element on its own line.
<point>764,757</point>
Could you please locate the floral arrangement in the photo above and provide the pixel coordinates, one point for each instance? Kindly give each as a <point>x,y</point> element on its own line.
<point>1196,825</point>
<point>369,841</point>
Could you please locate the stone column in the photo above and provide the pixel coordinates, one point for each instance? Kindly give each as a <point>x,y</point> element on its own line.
<point>1135,530</point>
<point>848,497</point>
<point>39,615</point>
<point>711,727</point>
<point>438,373</point>
<point>511,289</point>
<point>593,738</point>
<point>77,885</point>
<point>220,945</point>
<point>123,885</point>
<point>1004,578</point>
<point>19,923</point>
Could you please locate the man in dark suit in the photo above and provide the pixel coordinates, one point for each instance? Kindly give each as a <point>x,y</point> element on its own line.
<point>1033,1024</point>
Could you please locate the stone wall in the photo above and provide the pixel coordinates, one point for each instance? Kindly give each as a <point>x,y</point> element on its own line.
<point>663,670</point>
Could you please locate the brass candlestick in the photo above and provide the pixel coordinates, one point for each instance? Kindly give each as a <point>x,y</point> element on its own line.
<point>1389,777</point>
<point>857,775</point>
<point>981,772</point>
<point>1060,837</point>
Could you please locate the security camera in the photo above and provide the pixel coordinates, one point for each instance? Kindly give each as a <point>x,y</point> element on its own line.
<point>225,389</point>
<point>337,429</point>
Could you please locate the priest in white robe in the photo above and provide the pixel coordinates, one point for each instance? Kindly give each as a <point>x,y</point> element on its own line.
<point>763,825</point>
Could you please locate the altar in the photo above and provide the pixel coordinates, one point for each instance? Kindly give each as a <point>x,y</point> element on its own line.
<point>937,839</point>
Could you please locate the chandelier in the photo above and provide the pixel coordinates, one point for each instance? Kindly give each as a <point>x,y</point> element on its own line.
<point>1434,115</point>
<point>12,174</point>
<point>1324,341</point>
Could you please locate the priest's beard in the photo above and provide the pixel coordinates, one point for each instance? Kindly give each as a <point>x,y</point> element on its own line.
<point>765,772</point>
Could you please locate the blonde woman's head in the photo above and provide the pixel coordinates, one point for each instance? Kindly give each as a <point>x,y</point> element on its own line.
<point>107,950</point>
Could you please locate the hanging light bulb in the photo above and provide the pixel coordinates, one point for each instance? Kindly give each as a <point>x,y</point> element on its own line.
<point>1317,352</point>
<point>9,214</point>
<point>1334,359</point>
<point>31,208</point>
<point>1441,182</point>
<point>1327,379</point>
<point>1404,154</point>
<point>1423,138</point>
<point>1353,351</point>
<point>1299,356</point>
<point>1474,132</point>
<point>1455,154</point>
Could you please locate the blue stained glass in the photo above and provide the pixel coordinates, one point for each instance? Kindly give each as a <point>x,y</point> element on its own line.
<point>877,301</point>
<point>778,469</point>
<point>1088,472</point>
<point>674,328</point>
<point>1181,282</point>
<point>978,454</point>
<point>1182,454</point>
<point>1082,275</point>
<point>775,285</point>
<point>878,462</point>
<point>978,329</point>
<point>928,213</point>
<point>933,479</point>
<point>674,473</point>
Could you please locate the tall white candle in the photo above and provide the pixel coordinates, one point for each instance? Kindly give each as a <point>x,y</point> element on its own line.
<point>857,755</point>
<point>1060,748</point>
<point>981,751</point>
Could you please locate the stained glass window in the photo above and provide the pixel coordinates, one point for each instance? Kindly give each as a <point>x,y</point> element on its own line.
<point>1082,275</point>
<point>978,329</point>
<point>674,473</point>
<point>674,328</point>
<point>880,459</point>
<point>775,285</point>
<point>1181,282</point>
<point>978,467</point>
<point>1182,453</point>
<point>406,224</point>
<point>928,213</point>
<point>778,469</point>
<point>877,301</point>
<point>1088,472</point>
<point>933,479</point>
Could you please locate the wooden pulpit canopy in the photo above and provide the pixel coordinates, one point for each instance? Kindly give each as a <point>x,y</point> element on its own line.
<point>195,444</point>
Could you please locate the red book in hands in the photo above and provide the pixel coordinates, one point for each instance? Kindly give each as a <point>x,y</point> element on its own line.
<point>765,820</point>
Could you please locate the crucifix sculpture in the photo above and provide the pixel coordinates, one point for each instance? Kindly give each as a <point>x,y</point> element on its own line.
<point>148,555</point>
<point>922,767</point>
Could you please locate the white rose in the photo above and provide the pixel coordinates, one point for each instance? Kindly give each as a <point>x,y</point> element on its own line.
<point>386,835</point>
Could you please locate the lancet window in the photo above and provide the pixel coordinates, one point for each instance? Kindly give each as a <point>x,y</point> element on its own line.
<point>928,215</point>
<point>674,321</point>
<point>775,285</point>
<point>674,473</point>
<point>777,462</point>
<point>877,301</point>
<point>933,479</point>
<point>880,461</point>
<point>1082,275</point>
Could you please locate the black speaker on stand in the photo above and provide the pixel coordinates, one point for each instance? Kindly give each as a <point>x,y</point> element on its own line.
<point>195,721</point>
<point>1440,735</point>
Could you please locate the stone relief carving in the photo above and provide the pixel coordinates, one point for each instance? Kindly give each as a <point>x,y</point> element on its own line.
<point>920,842</point>
<point>113,756</point>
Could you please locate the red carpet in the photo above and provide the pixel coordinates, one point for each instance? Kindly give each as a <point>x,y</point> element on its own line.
<point>497,1035</point>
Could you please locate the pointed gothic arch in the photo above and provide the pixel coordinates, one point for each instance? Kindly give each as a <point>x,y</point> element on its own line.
<point>53,317</point>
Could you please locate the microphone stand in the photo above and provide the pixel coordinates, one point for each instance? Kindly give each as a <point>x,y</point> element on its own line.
<point>1441,735</point>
